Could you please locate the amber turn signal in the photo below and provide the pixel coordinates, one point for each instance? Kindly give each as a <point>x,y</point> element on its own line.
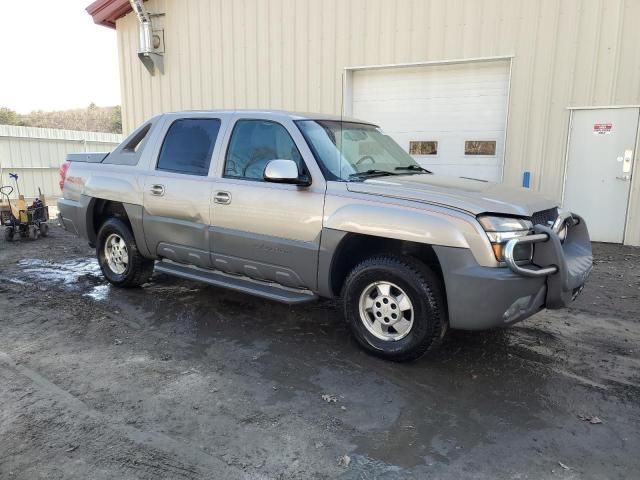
<point>498,251</point>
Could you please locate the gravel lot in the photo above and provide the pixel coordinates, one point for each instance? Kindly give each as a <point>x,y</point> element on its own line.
<point>181,380</point>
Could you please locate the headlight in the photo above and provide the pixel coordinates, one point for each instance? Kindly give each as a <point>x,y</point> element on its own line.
<point>562,230</point>
<point>502,229</point>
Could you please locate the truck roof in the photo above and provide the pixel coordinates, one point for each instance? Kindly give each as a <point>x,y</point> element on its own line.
<point>281,114</point>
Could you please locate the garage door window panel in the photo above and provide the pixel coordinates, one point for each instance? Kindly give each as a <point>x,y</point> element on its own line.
<point>253,144</point>
<point>480,147</point>
<point>188,146</point>
<point>423,147</point>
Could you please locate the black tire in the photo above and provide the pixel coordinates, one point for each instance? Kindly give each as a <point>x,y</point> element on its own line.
<point>34,232</point>
<point>138,270</point>
<point>424,289</point>
<point>9,234</point>
<point>44,230</point>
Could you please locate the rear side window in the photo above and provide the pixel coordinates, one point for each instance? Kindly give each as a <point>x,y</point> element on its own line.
<point>188,146</point>
<point>253,144</point>
<point>136,141</point>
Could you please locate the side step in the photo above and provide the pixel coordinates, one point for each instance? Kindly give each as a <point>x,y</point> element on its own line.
<point>266,290</point>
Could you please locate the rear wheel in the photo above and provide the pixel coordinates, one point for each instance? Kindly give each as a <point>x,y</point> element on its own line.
<point>120,261</point>
<point>395,307</point>
<point>8,234</point>
<point>44,229</point>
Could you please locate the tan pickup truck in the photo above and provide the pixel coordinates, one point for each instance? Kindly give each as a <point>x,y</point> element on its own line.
<point>292,207</point>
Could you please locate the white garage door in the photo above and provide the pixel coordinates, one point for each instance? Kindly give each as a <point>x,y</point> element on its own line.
<point>451,118</point>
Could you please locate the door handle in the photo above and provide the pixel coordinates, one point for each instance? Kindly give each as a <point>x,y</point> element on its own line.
<point>157,190</point>
<point>624,178</point>
<point>223,198</point>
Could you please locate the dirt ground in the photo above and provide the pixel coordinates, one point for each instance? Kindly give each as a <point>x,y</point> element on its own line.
<point>182,380</point>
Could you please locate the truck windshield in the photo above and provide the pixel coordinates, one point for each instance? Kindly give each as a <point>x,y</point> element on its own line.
<point>352,151</point>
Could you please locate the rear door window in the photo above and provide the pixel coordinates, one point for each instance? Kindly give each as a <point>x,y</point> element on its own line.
<point>188,146</point>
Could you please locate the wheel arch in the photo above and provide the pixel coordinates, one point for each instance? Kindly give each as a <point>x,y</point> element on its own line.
<point>344,250</point>
<point>99,210</point>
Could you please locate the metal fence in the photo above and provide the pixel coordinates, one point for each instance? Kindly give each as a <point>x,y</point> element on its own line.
<point>35,155</point>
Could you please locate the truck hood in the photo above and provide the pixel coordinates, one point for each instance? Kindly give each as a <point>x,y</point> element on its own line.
<point>473,196</point>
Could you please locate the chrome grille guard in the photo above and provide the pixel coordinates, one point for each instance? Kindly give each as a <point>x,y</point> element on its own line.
<point>562,219</point>
<point>524,271</point>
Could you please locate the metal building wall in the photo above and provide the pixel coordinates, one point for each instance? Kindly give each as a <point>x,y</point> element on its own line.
<point>291,54</point>
<point>35,154</point>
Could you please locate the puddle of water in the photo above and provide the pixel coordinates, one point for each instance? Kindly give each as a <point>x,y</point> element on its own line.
<point>65,272</point>
<point>99,292</point>
<point>361,466</point>
<point>13,280</point>
<point>68,273</point>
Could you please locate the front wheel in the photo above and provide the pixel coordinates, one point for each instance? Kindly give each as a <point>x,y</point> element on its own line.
<point>120,261</point>
<point>395,307</point>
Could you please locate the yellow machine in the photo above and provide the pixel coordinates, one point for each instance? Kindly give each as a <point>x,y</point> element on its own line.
<point>19,209</point>
<point>28,221</point>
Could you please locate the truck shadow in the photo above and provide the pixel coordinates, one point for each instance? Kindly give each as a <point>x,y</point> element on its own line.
<point>208,315</point>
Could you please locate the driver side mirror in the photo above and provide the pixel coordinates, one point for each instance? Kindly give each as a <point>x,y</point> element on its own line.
<point>285,171</point>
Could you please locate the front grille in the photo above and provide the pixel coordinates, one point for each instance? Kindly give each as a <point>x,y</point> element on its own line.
<point>545,217</point>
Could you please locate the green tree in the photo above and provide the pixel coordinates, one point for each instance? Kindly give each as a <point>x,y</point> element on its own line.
<point>93,118</point>
<point>9,117</point>
<point>116,120</point>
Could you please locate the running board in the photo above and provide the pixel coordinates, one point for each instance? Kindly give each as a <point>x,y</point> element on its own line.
<point>266,290</point>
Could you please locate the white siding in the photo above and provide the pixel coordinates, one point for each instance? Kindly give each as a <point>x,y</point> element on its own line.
<point>35,154</point>
<point>291,54</point>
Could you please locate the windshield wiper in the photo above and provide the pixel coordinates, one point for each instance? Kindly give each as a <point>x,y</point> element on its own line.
<point>414,168</point>
<point>371,173</point>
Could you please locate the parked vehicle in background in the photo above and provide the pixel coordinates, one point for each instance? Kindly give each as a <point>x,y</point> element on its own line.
<point>293,207</point>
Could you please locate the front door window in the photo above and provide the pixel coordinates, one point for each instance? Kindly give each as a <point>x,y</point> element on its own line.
<point>253,144</point>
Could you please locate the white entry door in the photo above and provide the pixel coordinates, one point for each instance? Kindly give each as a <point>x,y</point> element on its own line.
<point>450,118</point>
<point>600,161</point>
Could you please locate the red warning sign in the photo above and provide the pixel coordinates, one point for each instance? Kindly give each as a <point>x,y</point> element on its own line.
<point>602,128</point>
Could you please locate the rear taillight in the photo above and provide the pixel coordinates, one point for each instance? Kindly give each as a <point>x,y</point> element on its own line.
<point>63,173</point>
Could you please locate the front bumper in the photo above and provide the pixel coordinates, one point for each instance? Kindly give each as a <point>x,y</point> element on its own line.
<point>486,297</point>
<point>565,265</point>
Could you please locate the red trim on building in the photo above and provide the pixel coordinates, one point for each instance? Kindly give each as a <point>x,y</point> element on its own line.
<point>106,12</point>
